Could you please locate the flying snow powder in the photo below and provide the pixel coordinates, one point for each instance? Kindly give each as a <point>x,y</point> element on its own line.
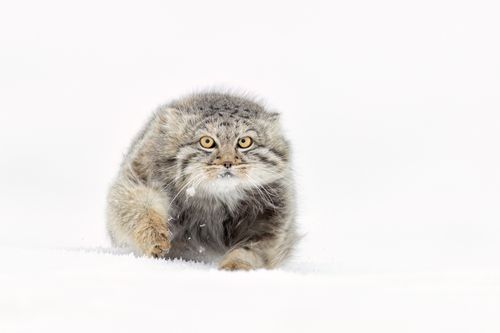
<point>191,191</point>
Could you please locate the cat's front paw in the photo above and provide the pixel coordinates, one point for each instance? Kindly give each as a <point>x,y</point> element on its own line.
<point>240,260</point>
<point>152,236</point>
<point>235,265</point>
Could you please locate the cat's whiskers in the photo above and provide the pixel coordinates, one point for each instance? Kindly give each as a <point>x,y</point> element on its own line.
<point>265,188</point>
<point>266,197</point>
<point>189,182</point>
<point>176,178</point>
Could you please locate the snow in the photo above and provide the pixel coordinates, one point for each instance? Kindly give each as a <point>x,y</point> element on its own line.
<point>393,112</point>
<point>100,290</point>
<point>191,191</point>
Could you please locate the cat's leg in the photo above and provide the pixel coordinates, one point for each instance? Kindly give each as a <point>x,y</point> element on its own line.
<point>268,252</point>
<point>137,217</point>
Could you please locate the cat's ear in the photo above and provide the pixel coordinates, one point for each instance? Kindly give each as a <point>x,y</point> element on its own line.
<point>274,117</point>
<point>170,121</point>
<point>174,122</point>
<point>271,122</point>
<point>168,116</point>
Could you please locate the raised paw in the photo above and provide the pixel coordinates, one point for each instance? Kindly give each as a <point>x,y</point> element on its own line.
<point>159,247</point>
<point>151,236</point>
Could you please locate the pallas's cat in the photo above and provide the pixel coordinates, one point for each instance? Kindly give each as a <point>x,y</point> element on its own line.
<point>208,178</point>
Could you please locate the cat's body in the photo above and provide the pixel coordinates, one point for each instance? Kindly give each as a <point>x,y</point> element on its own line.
<point>207,178</point>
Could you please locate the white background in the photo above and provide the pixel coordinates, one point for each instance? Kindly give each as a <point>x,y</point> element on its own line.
<point>393,110</point>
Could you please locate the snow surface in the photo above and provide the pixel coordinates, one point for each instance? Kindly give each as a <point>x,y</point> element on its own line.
<point>393,109</point>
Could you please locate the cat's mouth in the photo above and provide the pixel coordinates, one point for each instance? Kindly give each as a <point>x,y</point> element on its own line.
<point>226,174</point>
<point>233,175</point>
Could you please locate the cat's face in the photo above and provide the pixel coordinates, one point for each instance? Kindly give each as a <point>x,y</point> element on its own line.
<point>223,152</point>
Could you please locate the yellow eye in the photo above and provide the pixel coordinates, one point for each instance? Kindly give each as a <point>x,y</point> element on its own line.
<point>207,142</point>
<point>245,142</point>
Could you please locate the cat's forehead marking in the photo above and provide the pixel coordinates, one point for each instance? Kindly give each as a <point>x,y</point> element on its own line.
<point>224,127</point>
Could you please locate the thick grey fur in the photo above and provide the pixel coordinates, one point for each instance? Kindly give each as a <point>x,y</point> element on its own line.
<point>173,198</point>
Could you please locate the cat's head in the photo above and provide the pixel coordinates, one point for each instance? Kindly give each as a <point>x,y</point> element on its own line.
<point>223,143</point>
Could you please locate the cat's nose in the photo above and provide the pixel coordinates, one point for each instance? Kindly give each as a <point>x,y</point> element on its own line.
<point>227,160</point>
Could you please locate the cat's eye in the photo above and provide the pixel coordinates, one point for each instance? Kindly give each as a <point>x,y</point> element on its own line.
<point>245,142</point>
<point>207,142</point>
